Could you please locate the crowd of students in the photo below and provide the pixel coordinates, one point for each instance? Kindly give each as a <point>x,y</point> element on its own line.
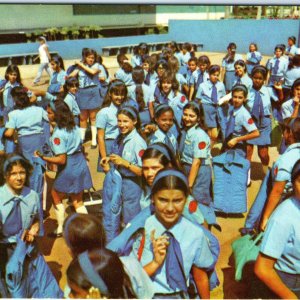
<point>156,125</point>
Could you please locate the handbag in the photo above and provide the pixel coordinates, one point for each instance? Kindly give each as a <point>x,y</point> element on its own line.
<point>245,250</point>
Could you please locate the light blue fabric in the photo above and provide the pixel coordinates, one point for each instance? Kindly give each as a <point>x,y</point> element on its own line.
<point>287,109</point>
<point>230,185</point>
<point>70,100</point>
<point>290,76</point>
<point>255,60</point>
<point>282,237</point>
<point>204,92</point>
<point>282,68</point>
<point>57,80</point>
<point>85,80</point>
<point>136,60</point>
<point>160,136</point>
<point>146,91</point>
<point>63,141</point>
<point>112,204</point>
<point>27,121</point>
<point>246,80</point>
<point>106,119</point>
<point>125,77</point>
<point>229,66</point>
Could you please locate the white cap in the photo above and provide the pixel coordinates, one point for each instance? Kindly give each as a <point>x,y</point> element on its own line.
<point>42,38</point>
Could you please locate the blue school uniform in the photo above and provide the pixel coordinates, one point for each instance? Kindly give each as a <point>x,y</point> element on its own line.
<point>136,60</point>
<point>193,245</point>
<point>243,124</point>
<point>151,79</point>
<point>290,76</point>
<point>104,82</point>
<point>261,113</point>
<point>213,113</point>
<point>57,80</point>
<point>8,101</point>
<point>74,176</point>
<point>277,68</point>
<point>125,77</point>
<point>168,138</point>
<point>230,71</point>
<point>176,101</point>
<point>252,59</point>
<point>288,108</point>
<point>195,143</point>
<point>292,49</point>
<point>181,80</point>
<point>131,148</point>
<point>281,241</point>
<point>246,80</point>
<point>70,100</point>
<point>88,94</point>
<point>198,77</point>
<point>179,56</point>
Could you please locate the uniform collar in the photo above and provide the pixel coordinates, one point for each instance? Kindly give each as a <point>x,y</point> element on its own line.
<point>160,229</point>
<point>130,135</point>
<point>10,194</point>
<point>171,95</point>
<point>160,133</point>
<point>291,147</point>
<point>237,110</point>
<point>114,107</point>
<point>192,129</point>
<point>211,84</point>
<point>72,95</point>
<point>263,90</point>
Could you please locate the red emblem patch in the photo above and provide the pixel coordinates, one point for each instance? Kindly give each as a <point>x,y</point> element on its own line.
<point>250,121</point>
<point>193,206</point>
<point>183,99</point>
<point>276,171</point>
<point>202,145</point>
<point>56,141</point>
<point>141,152</point>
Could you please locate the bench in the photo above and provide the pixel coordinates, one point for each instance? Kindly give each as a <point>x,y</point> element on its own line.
<point>21,59</point>
<point>128,49</point>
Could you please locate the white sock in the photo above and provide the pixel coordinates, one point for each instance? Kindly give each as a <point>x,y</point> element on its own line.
<point>94,135</point>
<point>81,210</point>
<point>60,216</point>
<point>265,169</point>
<point>82,133</point>
<point>249,177</point>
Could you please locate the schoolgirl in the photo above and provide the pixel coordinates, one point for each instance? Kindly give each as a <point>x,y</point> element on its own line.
<point>240,126</point>
<point>277,264</point>
<point>99,273</point>
<point>149,64</point>
<point>84,233</point>
<point>209,93</point>
<point>259,106</point>
<point>125,71</point>
<point>282,168</point>
<point>253,57</point>
<point>58,76</point>
<point>167,93</point>
<point>164,119</point>
<point>103,77</point>
<point>106,119</point>
<point>165,242</point>
<point>173,64</point>
<point>186,54</point>
<point>241,76</point>
<point>291,49</point>
<point>192,67</point>
<point>277,65</point>
<point>290,108</point>
<point>176,52</point>
<point>13,78</point>
<point>292,73</point>
<point>141,93</point>
<point>70,97</point>
<point>126,154</point>
<point>73,175</point>
<point>228,65</point>
<point>89,100</point>
<point>138,53</point>
<point>194,149</point>
<point>20,225</point>
<point>200,75</point>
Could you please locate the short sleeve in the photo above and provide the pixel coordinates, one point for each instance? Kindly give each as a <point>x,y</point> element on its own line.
<point>203,257</point>
<point>199,92</point>
<point>200,146</point>
<point>276,235</point>
<point>282,172</point>
<point>12,121</point>
<point>287,109</point>
<point>101,119</point>
<point>248,122</point>
<point>273,94</point>
<point>58,143</point>
<point>139,150</point>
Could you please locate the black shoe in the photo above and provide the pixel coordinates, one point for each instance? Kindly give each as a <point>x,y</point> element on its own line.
<point>54,234</point>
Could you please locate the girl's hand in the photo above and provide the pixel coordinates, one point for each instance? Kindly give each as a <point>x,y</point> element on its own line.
<point>117,160</point>
<point>104,163</point>
<point>37,153</point>
<point>232,142</point>
<point>94,293</point>
<point>150,128</point>
<point>278,85</point>
<point>160,246</point>
<point>32,232</point>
